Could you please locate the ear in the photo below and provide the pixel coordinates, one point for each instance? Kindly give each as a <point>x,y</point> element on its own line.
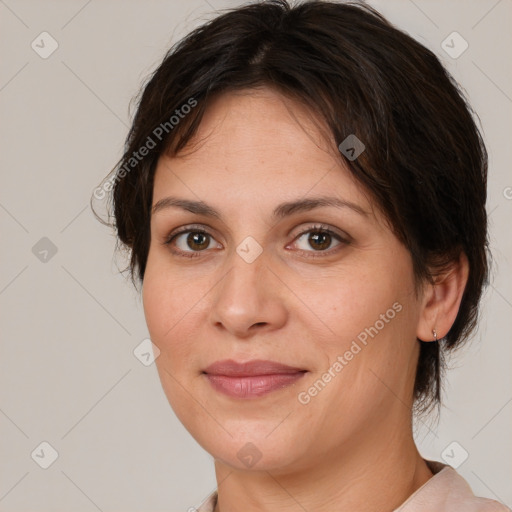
<point>441,300</point>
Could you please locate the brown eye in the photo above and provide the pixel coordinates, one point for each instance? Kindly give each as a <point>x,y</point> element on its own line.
<point>319,240</point>
<point>197,240</point>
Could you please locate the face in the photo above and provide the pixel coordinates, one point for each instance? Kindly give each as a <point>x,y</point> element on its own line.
<point>326,290</point>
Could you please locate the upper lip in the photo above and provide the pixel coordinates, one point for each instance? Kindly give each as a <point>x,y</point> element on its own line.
<point>232,368</point>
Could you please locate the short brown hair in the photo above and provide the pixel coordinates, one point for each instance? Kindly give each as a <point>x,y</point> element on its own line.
<point>425,163</point>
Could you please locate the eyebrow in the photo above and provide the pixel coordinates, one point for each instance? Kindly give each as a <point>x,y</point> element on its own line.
<point>283,210</point>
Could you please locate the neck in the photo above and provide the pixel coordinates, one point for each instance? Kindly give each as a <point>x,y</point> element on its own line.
<point>377,475</point>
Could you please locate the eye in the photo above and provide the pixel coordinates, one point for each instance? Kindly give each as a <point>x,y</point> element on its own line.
<point>320,238</point>
<point>198,240</point>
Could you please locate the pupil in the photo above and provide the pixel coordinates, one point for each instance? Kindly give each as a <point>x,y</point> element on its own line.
<point>193,237</point>
<point>318,236</point>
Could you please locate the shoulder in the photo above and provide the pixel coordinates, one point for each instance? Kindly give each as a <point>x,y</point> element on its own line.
<point>207,505</point>
<point>447,491</point>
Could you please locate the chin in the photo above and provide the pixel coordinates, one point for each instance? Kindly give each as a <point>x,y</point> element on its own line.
<point>250,447</point>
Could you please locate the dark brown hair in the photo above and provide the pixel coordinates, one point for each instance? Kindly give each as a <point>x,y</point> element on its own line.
<point>425,163</point>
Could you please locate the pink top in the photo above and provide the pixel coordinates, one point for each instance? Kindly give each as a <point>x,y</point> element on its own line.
<point>446,491</point>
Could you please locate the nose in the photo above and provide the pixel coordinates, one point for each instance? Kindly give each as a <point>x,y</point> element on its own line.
<point>249,299</point>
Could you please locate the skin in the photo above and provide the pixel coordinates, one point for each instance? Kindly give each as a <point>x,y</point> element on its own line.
<point>351,446</point>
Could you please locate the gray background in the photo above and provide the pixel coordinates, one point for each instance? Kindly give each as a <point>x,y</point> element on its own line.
<point>70,322</point>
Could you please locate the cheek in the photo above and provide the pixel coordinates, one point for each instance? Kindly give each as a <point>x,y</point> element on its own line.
<point>174,312</point>
<point>165,295</point>
<point>371,319</point>
<point>163,307</point>
<point>166,320</point>
<point>376,326</point>
<point>355,304</point>
<point>156,301</point>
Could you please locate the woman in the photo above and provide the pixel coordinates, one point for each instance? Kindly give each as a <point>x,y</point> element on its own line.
<point>303,195</point>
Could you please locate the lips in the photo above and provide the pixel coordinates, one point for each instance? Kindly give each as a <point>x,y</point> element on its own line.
<point>232,368</point>
<point>251,379</point>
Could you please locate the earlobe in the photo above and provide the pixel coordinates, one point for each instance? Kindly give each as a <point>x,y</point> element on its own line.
<point>442,301</point>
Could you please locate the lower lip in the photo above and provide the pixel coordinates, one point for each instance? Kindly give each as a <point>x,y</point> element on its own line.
<point>253,386</point>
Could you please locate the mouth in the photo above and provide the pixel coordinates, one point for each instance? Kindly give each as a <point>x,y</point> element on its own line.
<point>251,379</point>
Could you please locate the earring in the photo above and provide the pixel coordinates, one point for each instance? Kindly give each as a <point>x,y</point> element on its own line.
<point>434,332</point>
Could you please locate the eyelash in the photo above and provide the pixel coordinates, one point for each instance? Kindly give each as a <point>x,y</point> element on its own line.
<point>317,228</point>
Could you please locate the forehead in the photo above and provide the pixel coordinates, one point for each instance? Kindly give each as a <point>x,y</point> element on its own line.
<point>258,121</point>
<point>256,145</point>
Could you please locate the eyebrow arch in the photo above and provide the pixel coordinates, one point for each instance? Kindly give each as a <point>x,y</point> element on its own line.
<point>281,211</point>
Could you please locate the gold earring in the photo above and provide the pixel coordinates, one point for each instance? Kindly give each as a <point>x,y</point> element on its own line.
<point>434,332</point>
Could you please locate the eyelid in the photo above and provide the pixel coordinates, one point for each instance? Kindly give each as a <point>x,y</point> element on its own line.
<point>320,227</point>
<point>196,228</point>
<point>342,237</point>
